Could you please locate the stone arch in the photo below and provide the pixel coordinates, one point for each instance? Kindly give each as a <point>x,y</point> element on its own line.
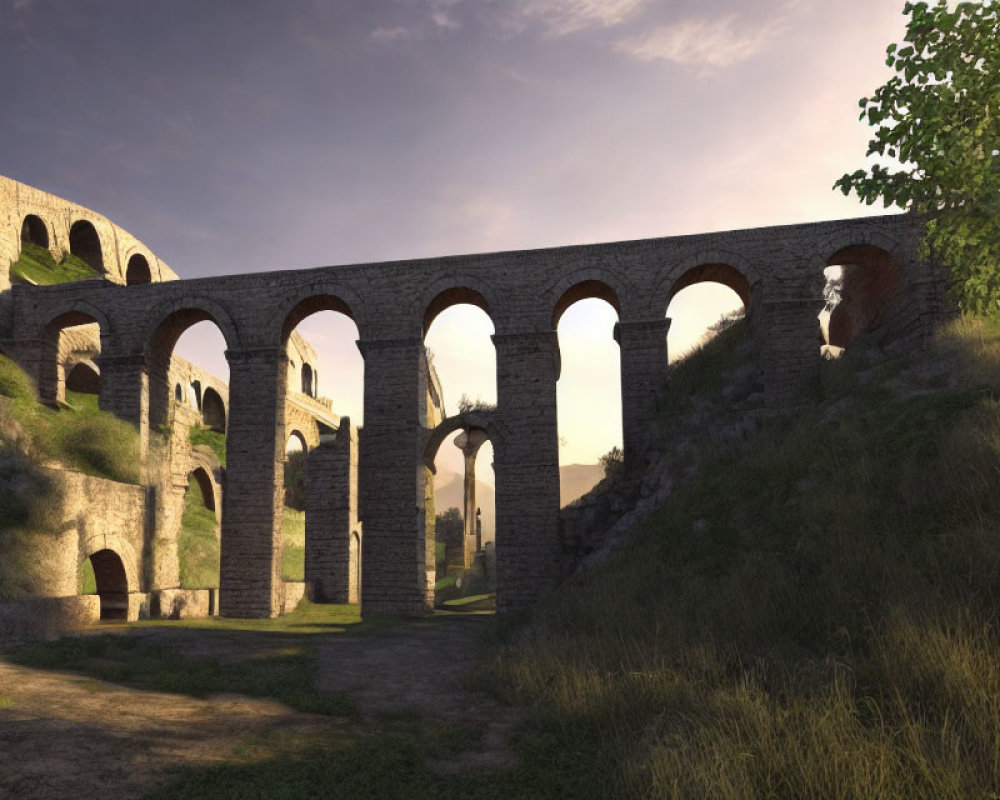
<point>137,272</point>
<point>116,570</point>
<point>84,377</point>
<point>866,289</point>
<point>213,410</point>
<point>584,290</point>
<point>319,298</point>
<point>446,292</point>
<point>713,272</point>
<point>34,230</point>
<point>471,420</point>
<point>170,320</point>
<point>85,243</point>
<point>50,373</point>
<point>207,485</point>
<point>300,438</point>
<point>708,265</point>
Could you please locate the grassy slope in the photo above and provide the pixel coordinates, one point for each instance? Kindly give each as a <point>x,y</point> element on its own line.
<point>197,541</point>
<point>38,266</point>
<point>214,439</point>
<point>814,615</point>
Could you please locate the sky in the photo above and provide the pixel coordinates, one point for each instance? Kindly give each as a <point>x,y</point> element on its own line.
<point>250,135</point>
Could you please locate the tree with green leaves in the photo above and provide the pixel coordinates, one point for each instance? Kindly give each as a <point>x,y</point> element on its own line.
<point>936,144</point>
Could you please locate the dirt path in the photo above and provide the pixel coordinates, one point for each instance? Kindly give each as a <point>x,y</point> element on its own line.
<point>65,735</point>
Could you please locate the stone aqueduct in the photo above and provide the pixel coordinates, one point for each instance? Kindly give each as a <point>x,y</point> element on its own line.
<point>777,271</point>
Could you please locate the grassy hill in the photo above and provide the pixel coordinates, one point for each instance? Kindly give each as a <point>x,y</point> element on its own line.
<point>812,614</point>
<point>37,265</point>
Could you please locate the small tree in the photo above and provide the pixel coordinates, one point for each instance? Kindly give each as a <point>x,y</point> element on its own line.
<point>937,141</point>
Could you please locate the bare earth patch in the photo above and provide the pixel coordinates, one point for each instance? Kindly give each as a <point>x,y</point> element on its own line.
<point>66,735</point>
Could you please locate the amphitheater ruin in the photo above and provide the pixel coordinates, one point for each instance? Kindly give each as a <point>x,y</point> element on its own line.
<point>368,538</point>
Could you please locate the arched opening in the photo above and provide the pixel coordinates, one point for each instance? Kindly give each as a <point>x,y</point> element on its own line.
<point>198,539</point>
<point>293,519</point>
<point>862,281</point>
<point>85,244</point>
<point>588,392</point>
<point>178,394</point>
<point>461,517</point>
<point>83,378</point>
<point>213,410</point>
<point>69,339</point>
<point>137,271</point>
<point>320,337</point>
<point>34,231</point>
<point>462,361</point>
<point>307,381</point>
<point>110,583</point>
<point>188,343</point>
<point>702,302</point>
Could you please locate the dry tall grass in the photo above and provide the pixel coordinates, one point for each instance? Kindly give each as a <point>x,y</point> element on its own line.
<point>814,616</point>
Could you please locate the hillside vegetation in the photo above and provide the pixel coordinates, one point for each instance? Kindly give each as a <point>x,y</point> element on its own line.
<point>813,614</point>
<point>37,265</point>
<point>81,438</point>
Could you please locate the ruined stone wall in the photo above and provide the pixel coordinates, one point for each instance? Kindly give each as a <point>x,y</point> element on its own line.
<point>91,514</point>
<point>390,303</point>
<point>18,200</point>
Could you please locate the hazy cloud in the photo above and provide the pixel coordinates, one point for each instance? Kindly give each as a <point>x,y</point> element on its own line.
<point>703,43</point>
<point>390,35</point>
<point>563,17</point>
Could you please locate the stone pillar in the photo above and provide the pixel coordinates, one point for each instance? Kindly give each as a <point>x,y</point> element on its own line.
<point>125,391</point>
<point>469,442</point>
<point>250,575</point>
<point>332,518</point>
<point>528,551</point>
<point>398,556</point>
<point>791,337</point>
<point>643,346</point>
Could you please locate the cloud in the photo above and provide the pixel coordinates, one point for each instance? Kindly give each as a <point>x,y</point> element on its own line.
<point>563,17</point>
<point>390,35</point>
<point>441,16</point>
<point>706,44</point>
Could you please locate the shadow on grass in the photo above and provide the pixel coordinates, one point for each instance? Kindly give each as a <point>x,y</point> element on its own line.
<point>403,760</point>
<point>287,674</point>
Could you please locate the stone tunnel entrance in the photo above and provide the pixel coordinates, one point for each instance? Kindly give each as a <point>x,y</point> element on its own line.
<point>112,584</point>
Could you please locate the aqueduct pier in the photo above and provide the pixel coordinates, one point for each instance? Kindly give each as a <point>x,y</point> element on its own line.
<point>777,271</point>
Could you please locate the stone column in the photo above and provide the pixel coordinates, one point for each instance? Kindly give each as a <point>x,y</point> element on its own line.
<point>125,391</point>
<point>250,575</point>
<point>643,344</point>
<point>469,442</point>
<point>528,553</point>
<point>791,338</point>
<point>398,556</point>
<point>332,517</point>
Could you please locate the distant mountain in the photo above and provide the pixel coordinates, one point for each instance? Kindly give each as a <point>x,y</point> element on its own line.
<point>575,480</point>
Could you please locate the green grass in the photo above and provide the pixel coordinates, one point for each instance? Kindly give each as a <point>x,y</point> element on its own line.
<point>293,554</point>
<point>307,619</point>
<point>88,580</point>
<point>89,440</point>
<point>37,265</point>
<point>286,674</point>
<point>199,434</point>
<point>816,614</point>
<point>6,702</point>
<point>83,403</point>
<point>198,541</point>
